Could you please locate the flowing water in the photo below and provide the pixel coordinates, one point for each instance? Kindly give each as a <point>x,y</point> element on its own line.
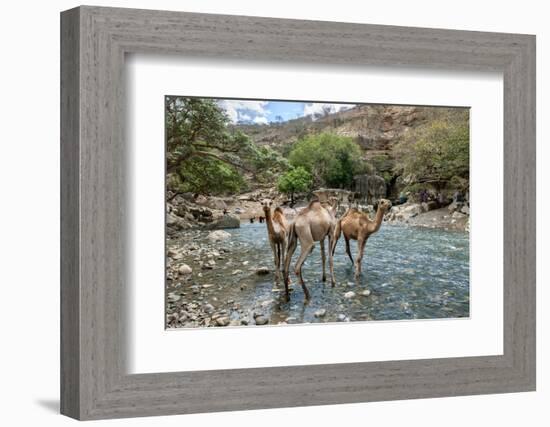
<point>411,273</point>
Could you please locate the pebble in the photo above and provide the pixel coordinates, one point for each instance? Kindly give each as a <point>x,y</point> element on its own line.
<point>261,320</point>
<point>185,269</point>
<point>349,295</point>
<point>222,321</point>
<point>172,297</point>
<point>262,271</point>
<point>342,317</point>
<point>291,320</point>
<point>366,292</point>
<point>320,313</point>
<point>235,272</point>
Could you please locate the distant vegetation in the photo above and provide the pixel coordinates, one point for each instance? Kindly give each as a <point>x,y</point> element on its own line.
<point>436,154</point>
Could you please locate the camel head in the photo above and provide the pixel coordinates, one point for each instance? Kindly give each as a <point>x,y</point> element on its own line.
<point>266,204</point>
<point>384,205</point>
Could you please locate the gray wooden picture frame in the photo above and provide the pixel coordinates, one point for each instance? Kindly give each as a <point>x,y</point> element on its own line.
<point>94,41</point>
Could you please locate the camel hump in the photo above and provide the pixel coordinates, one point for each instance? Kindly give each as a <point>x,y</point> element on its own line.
<point>313,203</point>
<point>278,210</point>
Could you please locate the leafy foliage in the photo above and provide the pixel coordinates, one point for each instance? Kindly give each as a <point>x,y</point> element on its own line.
<point>331,159</point>
<point>296,180</point>
<point>204,154</point>
<point>436,154</point>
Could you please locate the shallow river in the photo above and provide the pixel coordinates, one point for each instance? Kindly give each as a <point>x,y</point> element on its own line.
<point>411,273</point>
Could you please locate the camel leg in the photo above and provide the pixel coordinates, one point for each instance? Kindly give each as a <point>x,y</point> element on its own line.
<point>275,250</point>
<point>282,257</point>
<point>323,259</point>
<point>348,250</point>
<point>290,251</point>
<point>305,249</point>
<point>361,247</point>
<point>331,263</point>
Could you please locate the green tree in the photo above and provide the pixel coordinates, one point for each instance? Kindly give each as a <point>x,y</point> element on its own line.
<point>436,154</point>
<point>204,154</point>
<point>331,159</point>
<point>294,181</point>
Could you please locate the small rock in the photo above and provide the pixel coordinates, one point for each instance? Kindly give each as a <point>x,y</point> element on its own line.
<point>266,303</point>
<point>222,321</point>
<point>261,320</point>
<point>244,321</point>
<point>320,313</point>
<point>208,308</point>
<point>172,297</point>
<point>217,235</point>
<point>366,292</point>
<point>235,272</point>
<point>211,262</point>
<point>291,320</point>
<point>185,269</point>
<point>245,262</point>
<point>349,295</point>
<point>262,271</point>
<point>342,317</point>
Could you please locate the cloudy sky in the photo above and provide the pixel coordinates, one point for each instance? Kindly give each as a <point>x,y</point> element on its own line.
<point>263,112</point>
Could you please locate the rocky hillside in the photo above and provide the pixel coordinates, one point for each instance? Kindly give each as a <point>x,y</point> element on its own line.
<point>376,128</point>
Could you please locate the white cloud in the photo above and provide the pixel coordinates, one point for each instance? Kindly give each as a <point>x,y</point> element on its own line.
<point>239,111</point>
<point>319,109</point>
<point>260,120</point>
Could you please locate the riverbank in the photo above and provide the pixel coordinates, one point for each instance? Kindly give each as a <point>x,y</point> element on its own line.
<point>429,215</point>
<point>187,212</point>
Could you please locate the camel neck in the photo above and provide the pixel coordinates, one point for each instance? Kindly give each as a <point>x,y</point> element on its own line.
<point>269,221</point>
<point>378,219</point>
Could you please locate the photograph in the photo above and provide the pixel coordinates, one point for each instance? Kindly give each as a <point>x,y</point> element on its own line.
<point>297,212</point>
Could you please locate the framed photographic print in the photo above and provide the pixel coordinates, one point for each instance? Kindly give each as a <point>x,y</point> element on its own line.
<point>297,212</point>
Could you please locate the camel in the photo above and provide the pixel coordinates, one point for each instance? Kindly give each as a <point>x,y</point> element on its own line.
<point>277,232</point>
<point>313,224</point>
<point>358,226</point>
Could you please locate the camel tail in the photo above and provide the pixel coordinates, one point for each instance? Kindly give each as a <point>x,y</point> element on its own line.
<point>291,236</point>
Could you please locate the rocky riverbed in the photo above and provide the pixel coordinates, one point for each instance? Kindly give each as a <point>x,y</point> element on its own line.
<point>226,278</point>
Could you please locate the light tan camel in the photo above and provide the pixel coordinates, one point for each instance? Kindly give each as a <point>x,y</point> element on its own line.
<point>277,232</point>
<point>313,224</point>
<point>358,226</point>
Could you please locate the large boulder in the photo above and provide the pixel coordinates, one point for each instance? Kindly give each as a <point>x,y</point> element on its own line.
<point>215,203</point>
<point>226,221</point>
<point>174,222</point>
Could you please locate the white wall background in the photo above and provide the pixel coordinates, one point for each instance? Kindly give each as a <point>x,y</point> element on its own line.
<point>29,212</point>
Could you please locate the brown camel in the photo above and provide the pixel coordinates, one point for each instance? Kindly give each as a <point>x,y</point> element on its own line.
<point>277,232</point>
<point>358,226</point>
<point>313,224</point>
